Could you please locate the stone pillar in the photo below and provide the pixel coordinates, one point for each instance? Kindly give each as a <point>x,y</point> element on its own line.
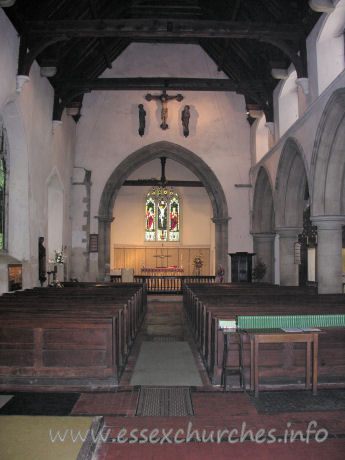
<point>329,257</point>
<point>221,237</point>
<point>104,247</point>
<point>288,236</point>
<point>263,244</point>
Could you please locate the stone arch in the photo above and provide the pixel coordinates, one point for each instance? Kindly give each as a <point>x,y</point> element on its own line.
<point>263,223</point>
<point>290,186</point>
<point>328,192</point>
<point>291,183</point>
<point>263,209</point>
<point>328,165</point>
<point>188,159</point>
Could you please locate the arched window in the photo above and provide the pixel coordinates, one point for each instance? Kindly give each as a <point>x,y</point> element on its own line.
<point>162,215</point>
<point>3,186</point>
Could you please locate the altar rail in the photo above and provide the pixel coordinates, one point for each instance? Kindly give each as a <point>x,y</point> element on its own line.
<point>170,284</point>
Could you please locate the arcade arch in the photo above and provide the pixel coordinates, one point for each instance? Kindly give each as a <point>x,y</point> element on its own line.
<point>290,204</point>
<point>328,192</point>
<point>263,223</point>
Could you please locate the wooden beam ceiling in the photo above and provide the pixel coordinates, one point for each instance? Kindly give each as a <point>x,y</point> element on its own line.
<point>161,28</point>
<point>242,37</point>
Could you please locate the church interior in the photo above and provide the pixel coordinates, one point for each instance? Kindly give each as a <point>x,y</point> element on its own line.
<point>172,229</point>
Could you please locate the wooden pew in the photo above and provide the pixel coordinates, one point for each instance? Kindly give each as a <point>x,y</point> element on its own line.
<point>75,337</point>
<point>205,306</point>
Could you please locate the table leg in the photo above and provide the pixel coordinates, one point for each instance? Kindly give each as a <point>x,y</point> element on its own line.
<point>251,363</point>
<point>308,366</point>
<point>256,367</point>
<point>315,354</point>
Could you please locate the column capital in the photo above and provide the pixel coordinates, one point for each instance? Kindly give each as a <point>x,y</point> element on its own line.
<point>264,236</point>
<point>220,220</point>
<point>105,218</point>
<point>289,232</point>
<point>328,222</point>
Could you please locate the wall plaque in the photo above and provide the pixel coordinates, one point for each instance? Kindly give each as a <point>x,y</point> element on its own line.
<point>93,242</point>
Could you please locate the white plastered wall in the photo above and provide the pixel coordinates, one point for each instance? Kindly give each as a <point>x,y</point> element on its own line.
<point>34,152</point>
<point>219,133</point>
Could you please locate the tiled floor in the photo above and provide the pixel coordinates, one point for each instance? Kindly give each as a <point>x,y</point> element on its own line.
<point>216,414</point>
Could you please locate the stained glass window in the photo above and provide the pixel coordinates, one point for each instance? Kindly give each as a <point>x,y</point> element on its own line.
<point>150,219</point>
<point>162,215</point>
<point>174,229</point>
<point>3,157</point>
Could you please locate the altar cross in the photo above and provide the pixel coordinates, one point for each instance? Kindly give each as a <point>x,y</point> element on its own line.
<point>164,98</point>
<point>162,256</point>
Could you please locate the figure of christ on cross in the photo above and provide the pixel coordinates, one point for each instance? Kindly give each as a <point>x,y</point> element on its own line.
<point>164,98</point>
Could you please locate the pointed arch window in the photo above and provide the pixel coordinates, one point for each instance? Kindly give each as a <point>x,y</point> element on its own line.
<point>3,186</point>
<point>162,215</point>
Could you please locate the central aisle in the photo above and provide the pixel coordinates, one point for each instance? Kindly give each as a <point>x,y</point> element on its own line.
<point>165,357</point>
<point>166,364</point>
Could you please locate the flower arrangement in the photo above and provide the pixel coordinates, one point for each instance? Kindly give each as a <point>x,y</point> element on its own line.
<point>59,257</point>
<point>198,262</point>
<point>220,274</point>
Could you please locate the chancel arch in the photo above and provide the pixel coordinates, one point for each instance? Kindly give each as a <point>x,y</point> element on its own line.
<point>290,204</point>
<point>160,227</point>
<point>190,161</point>
<point>263,223</point>
<point>328,192</point>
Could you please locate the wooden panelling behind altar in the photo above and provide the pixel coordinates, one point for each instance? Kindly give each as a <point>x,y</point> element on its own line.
<point>171,261</point>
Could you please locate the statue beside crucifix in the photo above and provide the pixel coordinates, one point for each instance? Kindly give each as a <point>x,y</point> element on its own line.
<point>164,98</point>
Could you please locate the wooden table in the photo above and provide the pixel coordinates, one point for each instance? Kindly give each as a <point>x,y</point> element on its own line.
<point>258,336</point>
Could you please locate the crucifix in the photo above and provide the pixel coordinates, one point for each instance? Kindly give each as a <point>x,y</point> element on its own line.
<point>164,98</point>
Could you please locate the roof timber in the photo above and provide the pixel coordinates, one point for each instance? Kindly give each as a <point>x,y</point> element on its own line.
<point>183,84</point>
<point>70,90</point>
<point>163,28</point>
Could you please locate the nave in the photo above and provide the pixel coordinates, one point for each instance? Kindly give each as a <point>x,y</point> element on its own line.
<point>116,412</point>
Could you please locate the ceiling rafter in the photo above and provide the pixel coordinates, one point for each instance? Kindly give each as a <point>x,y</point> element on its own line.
<point>93,9</point>
<point>157,28</point>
